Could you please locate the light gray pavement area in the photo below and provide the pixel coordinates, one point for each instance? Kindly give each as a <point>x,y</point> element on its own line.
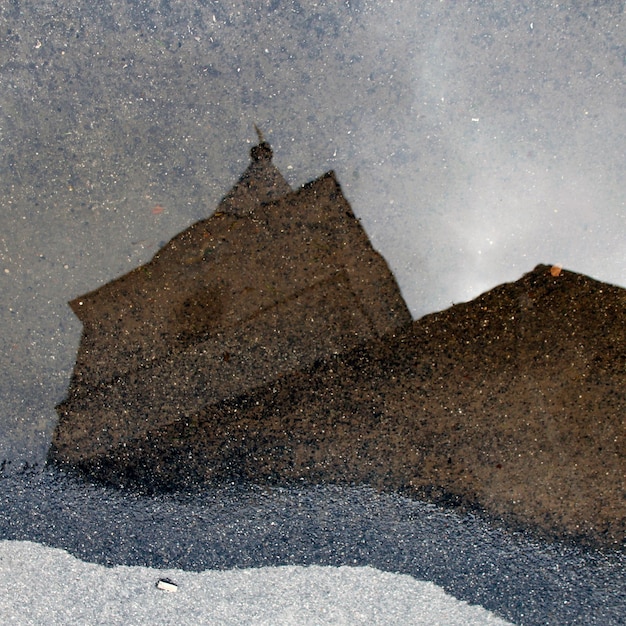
<point>33,592</point>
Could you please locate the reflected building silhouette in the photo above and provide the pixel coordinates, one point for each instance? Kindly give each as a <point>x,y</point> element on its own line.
<point>272,281</point>
<point>270,343</point>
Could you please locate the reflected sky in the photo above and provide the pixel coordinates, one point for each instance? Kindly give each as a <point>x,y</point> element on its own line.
<point>473,140</point>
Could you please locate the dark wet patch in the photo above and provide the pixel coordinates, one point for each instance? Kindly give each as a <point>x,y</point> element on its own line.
<point>519,578</point>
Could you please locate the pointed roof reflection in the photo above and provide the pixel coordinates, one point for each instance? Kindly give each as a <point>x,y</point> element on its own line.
<point>261,182</point>
<point>273,281</point>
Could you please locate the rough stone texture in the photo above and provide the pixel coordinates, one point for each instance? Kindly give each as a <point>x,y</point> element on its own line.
<point>514,402</point>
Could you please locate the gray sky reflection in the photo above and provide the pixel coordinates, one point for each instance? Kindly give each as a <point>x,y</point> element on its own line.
<point>474,140</point>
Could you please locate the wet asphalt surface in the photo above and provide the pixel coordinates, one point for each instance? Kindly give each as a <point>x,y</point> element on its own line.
<point>518,577</point>
<point>125,122</point>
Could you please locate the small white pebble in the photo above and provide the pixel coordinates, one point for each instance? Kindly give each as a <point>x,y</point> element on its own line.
<point>165,584</point>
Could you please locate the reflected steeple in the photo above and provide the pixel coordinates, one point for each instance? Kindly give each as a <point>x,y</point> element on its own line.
<point>272,282</point>
<point>261,182</point>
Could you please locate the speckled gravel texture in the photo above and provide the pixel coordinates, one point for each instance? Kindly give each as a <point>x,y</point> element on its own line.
<point>474,141</point>
<point>525,581</point>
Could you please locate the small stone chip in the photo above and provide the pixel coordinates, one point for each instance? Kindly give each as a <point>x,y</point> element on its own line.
<point>165,584</point>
